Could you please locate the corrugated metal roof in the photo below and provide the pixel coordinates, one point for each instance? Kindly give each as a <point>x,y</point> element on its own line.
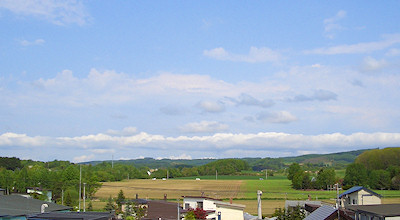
<point>356,189</point>
<point>321,213</point>
<point>17,205</point>
<point>387,210</point>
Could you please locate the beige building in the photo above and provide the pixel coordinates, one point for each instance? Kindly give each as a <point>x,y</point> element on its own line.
<point>359,195</point>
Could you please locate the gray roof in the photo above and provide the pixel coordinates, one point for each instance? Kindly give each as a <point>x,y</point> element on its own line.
<point>301,203</point>
<point>247,216</point>
<point>386,210</point>
<point>356,189</point>
<point>74,215</point>
<point>321,213</point>
<point>18,205</point>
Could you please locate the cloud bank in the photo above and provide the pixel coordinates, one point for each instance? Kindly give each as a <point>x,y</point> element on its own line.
<point>223,143</point>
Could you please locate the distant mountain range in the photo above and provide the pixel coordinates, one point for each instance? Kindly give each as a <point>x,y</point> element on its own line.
<point>333,159</point>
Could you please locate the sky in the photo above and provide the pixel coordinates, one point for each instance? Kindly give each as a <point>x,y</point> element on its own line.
<point>95,80</point>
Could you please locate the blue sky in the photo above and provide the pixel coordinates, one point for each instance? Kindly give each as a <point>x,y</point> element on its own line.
<point>85,80</point>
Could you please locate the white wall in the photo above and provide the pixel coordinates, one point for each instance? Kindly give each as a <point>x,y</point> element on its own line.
<point>229,213</point>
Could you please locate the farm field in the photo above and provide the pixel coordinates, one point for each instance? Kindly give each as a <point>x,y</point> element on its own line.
<point>175,189</point>
<point>275,190</point>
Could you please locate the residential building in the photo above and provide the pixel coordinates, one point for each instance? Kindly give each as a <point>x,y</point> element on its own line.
<point>359,195</point>
<point>376,212</point>
<point>160,209</point>
<point>19,207</point>
<point>215,208</point>
<point>74,216</point>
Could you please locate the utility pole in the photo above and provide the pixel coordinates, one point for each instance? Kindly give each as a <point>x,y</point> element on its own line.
<point>62,196</point>
<point>179,214</point>
<point>266,174</point>
<point>259,193</point>
<point>216,174</point>
<point>112,161</point>
<point>80,186</point>
<point>84,197</point>
<point>337,200</point>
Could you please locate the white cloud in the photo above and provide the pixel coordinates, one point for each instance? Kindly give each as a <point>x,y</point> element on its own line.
<point>128,131</point>
<point>248,100</point>
<point>180,157</point>
<point>388,40</point>
<point>57,12</point>
<point>220,143</point>
<point>211,107</point>
<point>204,127</point>
<point>255,55</point>
<point>102,151</point>
<point>112,88</point>
<point>36,42</point>
<point>281,117</point>
<point>393,52</point>
<point>83,158</point>
<point>331,24</point>
<point>319,95</point>
<point>370,64</point>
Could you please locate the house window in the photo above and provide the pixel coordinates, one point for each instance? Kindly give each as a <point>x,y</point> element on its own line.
<point>200,205</point>
<point>187,206</point>
<point>354,201</point>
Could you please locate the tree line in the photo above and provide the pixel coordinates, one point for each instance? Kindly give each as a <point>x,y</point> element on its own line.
<point>376,169</point>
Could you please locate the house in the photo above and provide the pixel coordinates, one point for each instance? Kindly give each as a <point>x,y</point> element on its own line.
<point>326,212</point>
<point>323,213</point>
<point>19,207</point>
<point>359,195</point>
<point>215,208</point>
<point>160,209</point>
<point>376,212</point>
<point>134,203</point>
<point>74,216</point>
<point>290,204</point>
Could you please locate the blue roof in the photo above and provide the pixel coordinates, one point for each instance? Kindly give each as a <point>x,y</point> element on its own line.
<point>322,212</point>
<point>356,189</point>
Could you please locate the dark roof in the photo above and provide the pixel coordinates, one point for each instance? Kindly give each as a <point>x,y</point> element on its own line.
<point>201,197</point>
<point>356,189</point>
<point>162,209</point>
<point>74,215</point>
<point>136,201</point>
<point>323,212</point>
<point>18,205</point>
<point>386,210</point>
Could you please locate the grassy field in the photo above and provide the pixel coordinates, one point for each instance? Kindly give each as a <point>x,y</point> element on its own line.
<point>243,189</point>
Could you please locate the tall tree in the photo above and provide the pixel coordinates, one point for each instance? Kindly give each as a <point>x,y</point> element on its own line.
<point>110,205</point>
<point>293,169</point>
<point>356,175</point>
<point>325,177</point>
<point>120,198</point>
